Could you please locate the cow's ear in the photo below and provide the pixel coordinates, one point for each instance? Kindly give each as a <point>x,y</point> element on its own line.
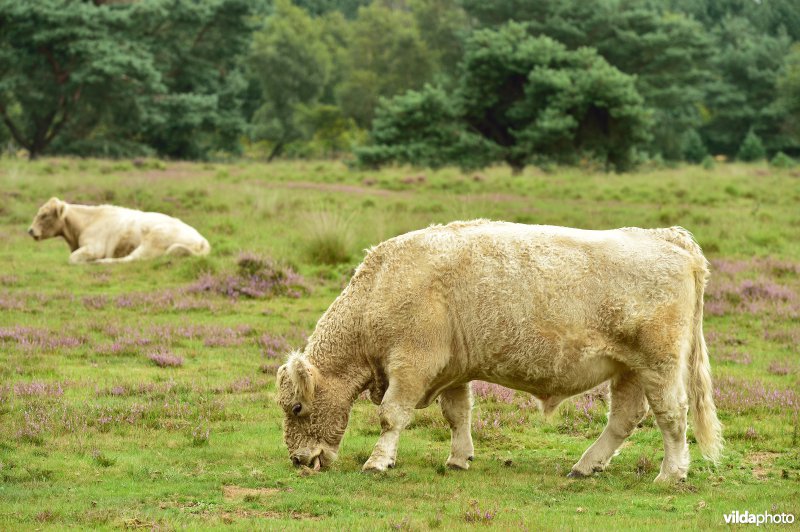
<point>56,206</point>
<point>302,374</point>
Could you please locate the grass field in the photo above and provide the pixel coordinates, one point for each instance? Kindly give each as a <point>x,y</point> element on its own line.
<point>142,395</point>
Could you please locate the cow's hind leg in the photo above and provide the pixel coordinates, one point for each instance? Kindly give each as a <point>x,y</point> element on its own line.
<point>628,407</point>
<point>396,411</point>
<point>666,393</point>
<point>456,406</point>
<point>178,250</point>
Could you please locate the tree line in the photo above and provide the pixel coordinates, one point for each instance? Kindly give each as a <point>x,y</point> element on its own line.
<point>426,82</point>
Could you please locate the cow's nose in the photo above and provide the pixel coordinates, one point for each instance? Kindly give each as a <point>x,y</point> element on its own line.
<point>30,231</point>
<point>295,461</point>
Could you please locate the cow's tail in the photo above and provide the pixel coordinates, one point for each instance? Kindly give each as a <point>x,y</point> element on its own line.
<point>707,428</point>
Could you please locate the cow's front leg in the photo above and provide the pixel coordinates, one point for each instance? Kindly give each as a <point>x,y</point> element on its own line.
<point>395,414</point>
<point>83,255</point>
<point>456,406</point>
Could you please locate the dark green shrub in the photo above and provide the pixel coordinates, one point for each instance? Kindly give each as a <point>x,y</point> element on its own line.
<point>752,149</point>
<point>781,160</point>
<point>692,147</point>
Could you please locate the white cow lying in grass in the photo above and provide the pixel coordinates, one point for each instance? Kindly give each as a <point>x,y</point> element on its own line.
<point>115,234</point>
<point>549,310</point>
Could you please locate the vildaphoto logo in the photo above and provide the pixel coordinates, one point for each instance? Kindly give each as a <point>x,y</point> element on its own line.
<point>746,518</point>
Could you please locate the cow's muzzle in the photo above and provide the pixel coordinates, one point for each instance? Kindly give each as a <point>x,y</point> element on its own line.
<point>32,232</point>
<point>316,459</point>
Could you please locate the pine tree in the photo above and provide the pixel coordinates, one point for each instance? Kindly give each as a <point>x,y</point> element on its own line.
<point>692,147</point>
<point>752,149</point>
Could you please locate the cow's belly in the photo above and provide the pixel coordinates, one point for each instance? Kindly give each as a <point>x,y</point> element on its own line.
<point>563,381</point>
<point>122,246</point>
<point>547,375</point>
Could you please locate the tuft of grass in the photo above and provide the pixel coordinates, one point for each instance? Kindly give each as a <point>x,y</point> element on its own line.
<point>329,238</point>
<point>192,268</point>
<point>476,515</point>
<point>644,466</point>
<point>201,434</point>
<point>102,460</point>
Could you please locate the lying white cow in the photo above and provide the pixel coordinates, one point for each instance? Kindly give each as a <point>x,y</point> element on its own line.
<point>549,310</point>
<point>115,234</point>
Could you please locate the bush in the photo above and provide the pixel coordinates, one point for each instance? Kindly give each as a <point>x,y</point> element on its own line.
<point>708,162</point>
<point>752,149</point>
<point>781,160</point>
<point>692,147</point>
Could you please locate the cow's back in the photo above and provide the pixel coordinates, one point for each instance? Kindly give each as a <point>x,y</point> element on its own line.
<point>500,290</point>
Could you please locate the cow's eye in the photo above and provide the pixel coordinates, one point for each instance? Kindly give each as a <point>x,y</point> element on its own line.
<point>297,408</point>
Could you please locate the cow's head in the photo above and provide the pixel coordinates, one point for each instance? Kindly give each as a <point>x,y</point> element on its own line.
<point>317,410</point>
<point>49,221</point>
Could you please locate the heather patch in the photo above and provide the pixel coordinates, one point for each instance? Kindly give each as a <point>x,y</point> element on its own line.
<point>767,265</point>
<point>583,411</point>
<point>477,515</point>
<point>273,347</point>
<point>493,392</point>
<point>749,395</point>
<point>782,367</point>
<point>256,278</point>
<point>39,420</point>
<point>241,385</point>
<point>9,301</point>
<point>97,302</point>
<point>167,300</point>
<point>129,340</point>
<point>165,359</point>
<point>493,424</point>
<point>790,337</point>
<point>225,336</point>
<point>125,341</point>
<point>38,340</point>
<point>151,390</point>
<point>752,287</point>
<point>734,356</point>
<point>37,389</point>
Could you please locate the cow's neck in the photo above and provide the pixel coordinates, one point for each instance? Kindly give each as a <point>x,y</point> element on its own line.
<point>348,366</point>
<point>336,348</point>
<point>76,218</point>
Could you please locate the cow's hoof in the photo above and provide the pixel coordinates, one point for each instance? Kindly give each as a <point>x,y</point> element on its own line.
<point>377,465</point>
<point>458,463</point>
<point>667,479</point>
<point>576,474</point>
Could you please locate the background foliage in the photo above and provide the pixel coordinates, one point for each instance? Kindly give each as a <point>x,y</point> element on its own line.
<point>320,78</point>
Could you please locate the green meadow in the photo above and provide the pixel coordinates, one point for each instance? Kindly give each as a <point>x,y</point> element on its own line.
<point>142,395</point>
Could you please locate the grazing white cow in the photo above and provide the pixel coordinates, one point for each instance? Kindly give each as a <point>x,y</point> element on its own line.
<point>107,234</point>
<point>549,310</point>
